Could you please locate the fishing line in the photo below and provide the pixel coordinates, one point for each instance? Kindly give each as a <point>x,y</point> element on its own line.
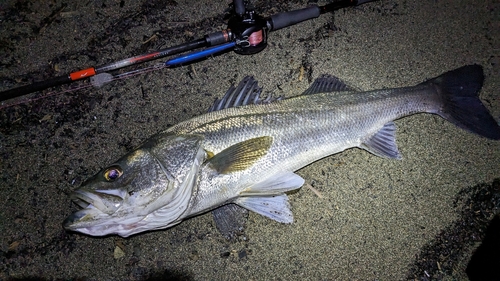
<point>96,81</point>
<point>246,34</point>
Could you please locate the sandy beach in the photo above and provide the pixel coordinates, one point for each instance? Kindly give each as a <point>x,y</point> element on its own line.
<point>376,219</point>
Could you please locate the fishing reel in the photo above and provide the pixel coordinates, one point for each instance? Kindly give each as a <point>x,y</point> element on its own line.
<point>248,29</point>
<point>246,34</point>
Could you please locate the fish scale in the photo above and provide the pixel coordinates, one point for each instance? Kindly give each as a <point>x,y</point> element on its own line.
<point>331,122</point>
<point>304,129</point>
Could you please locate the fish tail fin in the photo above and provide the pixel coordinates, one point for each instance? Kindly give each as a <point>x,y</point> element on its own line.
<point>461,106</point>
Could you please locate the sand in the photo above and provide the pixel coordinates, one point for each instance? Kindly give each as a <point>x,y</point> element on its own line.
<point>376,218</point>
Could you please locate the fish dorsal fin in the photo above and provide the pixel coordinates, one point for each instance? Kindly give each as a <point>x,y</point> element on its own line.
<point>383,142</point>
<point>247,92</point>
<point>327,84</point>
<point>242,155</point>
<point>274,207</point>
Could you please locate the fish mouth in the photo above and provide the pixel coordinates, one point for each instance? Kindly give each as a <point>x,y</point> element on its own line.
<point>76,217</point>
<point>94,205</point>
<point>101,213</point>
<point>107,201</point>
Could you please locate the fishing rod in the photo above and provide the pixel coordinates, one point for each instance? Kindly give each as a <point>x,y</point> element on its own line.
<point>246,34</point>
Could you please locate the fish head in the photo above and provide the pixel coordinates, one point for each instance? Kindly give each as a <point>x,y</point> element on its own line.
<point>149,188</point>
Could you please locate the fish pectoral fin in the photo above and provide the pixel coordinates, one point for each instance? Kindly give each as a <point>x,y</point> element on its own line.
<point>274,207</point>
<point>241,156</point>
<point>277,184</point>
<point>383,142</point>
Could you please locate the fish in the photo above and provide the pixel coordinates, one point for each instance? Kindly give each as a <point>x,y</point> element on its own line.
<point>245,151</point>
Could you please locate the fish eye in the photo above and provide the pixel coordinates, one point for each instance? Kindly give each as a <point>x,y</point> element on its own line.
<point>112,173</point>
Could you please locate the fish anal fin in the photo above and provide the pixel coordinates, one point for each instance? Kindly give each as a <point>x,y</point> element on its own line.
<point>383,142</point>
<point>274,207</point>
<point>242,155</point>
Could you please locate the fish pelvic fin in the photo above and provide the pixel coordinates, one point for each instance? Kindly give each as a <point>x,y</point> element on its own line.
<point>383,142</point>
<point>274,207</point>
<point>230,220</point>
<point>241,156</point>
<point>278,183</point>
<point>268,197</point>
<point>461,106</point>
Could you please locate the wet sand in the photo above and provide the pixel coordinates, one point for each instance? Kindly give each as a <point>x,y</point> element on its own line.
<point>376,219</point>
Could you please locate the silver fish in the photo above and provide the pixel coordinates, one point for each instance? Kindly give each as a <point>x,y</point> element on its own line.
<point>247,154</point>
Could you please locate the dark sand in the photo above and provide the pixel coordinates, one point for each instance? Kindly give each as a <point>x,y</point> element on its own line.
<point>378,219</point>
